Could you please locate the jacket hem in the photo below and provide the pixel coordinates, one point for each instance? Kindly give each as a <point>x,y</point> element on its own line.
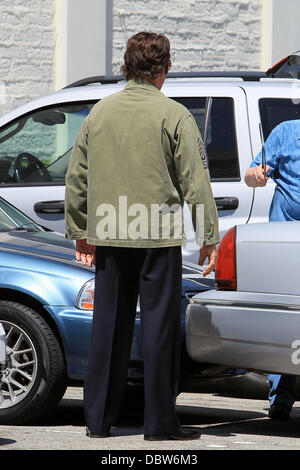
<point>135,243</point>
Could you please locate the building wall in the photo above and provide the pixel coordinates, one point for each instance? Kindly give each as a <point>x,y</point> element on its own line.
<point>27,42</point>
<point>204,34</point>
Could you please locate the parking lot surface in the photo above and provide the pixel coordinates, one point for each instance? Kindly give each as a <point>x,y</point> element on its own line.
<point>226,423</point>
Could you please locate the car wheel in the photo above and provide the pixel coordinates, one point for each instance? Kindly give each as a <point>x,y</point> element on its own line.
<point>251,385</point>
<point>33,380</point>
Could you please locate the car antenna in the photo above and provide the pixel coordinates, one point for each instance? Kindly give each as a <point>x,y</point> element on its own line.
<point>263,151</point>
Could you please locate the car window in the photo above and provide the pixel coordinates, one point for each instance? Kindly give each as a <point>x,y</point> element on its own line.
<point>35,149</point>
<point>273,111</point>
<point>197,107</point>
<point>216,121</point>
<point>11,218</point>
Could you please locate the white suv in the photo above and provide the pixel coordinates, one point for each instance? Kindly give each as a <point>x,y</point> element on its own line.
<point>36,141</point>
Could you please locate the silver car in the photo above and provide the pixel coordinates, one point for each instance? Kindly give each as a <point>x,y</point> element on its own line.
<point>252,318</point>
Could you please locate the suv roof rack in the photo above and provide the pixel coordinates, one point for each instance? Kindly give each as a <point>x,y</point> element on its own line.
<point>219,74</point>
<point>244,75</point>
<point>97,79</point>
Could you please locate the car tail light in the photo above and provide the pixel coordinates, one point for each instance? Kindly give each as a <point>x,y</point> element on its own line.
<point>225,277</point>
<point>289,67</point>
<point>277,66</point>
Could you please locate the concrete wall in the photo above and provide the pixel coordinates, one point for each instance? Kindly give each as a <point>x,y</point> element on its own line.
<point>27,42</point>
<point>204,34</point>
<point>83,39</point>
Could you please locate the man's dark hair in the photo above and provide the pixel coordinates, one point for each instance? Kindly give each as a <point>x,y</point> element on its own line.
<point>147,56</point>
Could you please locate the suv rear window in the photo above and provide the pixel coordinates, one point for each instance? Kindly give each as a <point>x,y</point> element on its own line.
<point>273,111</point>
<point>216,121</point>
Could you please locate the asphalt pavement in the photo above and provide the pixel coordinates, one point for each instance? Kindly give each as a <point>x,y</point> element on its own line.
<point>226,423</point>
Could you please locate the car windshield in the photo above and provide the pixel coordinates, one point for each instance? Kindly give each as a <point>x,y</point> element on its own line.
<point>273,111</point>
<point>11,219</point>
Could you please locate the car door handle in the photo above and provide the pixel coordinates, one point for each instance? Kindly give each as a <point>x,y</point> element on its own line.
<point>46,207</point>
<point>227,203</point>
<point>49,207</point>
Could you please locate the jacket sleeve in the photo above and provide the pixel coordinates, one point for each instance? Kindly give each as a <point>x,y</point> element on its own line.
<point>76,188</point>
<point>193,177</point>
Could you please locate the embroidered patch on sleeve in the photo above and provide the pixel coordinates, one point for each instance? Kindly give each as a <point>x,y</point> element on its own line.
<point>202,151</point>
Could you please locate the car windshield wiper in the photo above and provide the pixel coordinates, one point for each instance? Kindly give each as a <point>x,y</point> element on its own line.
<point>23,227</point>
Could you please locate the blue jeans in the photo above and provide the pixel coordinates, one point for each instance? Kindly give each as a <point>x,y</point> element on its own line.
<point>282,389</point>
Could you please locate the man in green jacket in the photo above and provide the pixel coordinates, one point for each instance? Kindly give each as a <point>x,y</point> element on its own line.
<point>138,156</point>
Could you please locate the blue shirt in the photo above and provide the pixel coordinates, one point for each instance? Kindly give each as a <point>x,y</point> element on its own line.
<point>282,149</point>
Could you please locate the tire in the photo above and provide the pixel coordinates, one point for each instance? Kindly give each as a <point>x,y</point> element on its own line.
<point>251,385</point>
<point>33,380</point>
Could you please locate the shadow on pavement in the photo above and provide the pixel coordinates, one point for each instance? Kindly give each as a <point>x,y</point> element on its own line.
<point>70,412</point>
<point>257,427</point>
<point>213,421</point>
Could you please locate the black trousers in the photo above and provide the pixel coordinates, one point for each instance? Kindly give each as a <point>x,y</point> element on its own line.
<point>122,274</point>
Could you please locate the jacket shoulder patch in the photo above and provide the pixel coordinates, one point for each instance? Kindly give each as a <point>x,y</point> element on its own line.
<point>203,154</point>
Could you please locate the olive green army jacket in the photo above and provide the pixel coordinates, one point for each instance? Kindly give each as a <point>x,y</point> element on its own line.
<point>138,156</point>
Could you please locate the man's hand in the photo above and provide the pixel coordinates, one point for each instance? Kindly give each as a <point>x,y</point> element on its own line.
<point>85,252</point>
<point>255,176</point>
<point>210,252</point>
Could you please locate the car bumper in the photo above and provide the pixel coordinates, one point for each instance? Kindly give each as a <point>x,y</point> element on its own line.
<point>74,326</point>
<point>247,330</point>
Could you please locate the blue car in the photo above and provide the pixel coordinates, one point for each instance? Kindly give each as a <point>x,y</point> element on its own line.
<point>46,302</point>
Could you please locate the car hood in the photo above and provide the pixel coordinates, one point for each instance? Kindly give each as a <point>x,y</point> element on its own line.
<point>50,245</point>
<point>193,280</point>
<point>54,246</point>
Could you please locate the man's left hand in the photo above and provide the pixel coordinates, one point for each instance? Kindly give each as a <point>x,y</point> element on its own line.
<point>210,252</point>
<point>85,252</point>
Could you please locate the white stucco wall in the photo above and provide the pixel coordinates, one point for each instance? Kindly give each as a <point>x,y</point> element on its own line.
<point>27,40</point>
<point>204,34</point>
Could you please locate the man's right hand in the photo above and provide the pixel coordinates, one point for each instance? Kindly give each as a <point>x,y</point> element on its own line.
<point>85,252</point>
<point>255,176</point>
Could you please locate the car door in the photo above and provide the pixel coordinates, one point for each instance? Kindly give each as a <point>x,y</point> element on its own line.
<point>34,153</point>
<point>269,105</point>
<point>221,115</point>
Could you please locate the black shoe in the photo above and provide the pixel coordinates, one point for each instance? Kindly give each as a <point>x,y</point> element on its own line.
<point>183,434</point>
<point>279,412</point>
<point>104,433</point>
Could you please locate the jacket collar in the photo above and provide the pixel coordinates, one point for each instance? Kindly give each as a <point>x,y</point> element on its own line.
<point>142,84</point>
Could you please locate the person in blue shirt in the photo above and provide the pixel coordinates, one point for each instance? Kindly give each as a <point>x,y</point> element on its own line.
<point>282,152</point>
